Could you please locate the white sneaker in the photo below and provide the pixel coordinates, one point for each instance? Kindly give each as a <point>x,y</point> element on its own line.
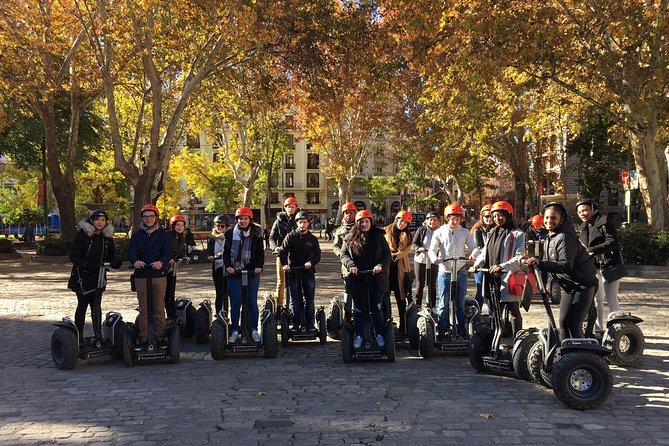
<point>357,342</point>
<point>380,341</point>
<point>233,337</point>
<point>255,336</point>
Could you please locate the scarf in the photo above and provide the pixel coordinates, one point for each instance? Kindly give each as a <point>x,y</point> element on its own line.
<point>240,250</point>
<point>495,243</point>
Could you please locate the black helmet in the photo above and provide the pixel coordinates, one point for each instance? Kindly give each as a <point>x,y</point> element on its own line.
<point>587,201</point>
<point>220,218</point>
<point>432,214</point>
<point>559,206</point>
<point>303,215</point>
<point>97,213</point>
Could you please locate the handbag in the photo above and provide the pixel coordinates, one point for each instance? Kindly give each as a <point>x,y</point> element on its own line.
<point>518,281</point>
<point>614,272</point>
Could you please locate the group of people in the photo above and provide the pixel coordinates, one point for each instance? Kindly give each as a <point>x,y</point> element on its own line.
<point>374,263</point>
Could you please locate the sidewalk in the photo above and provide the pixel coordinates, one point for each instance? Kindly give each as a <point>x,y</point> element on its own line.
<point>306,395</point>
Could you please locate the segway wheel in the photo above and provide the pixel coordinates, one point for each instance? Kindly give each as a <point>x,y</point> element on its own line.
<point>322,332</point>
<point>201,328</point>
<point>521,355</point>
<point>389,337</point>
<point>64,348</point>
<point>581,380</point>
<point>412,325</point>
<point>219,340</point>
<point>117,348</point>
<point>347,344</point>
<point>197,256</point>
<point>475,350</point>
<point>626,341</point>
<point>285,329</point>
<point>271,346</point>
<point>535,364</point>
<point>128,348</point>
<point>333,321</point>
<point>174,347</point>
<point>188,330</point>
<point>425,338</point>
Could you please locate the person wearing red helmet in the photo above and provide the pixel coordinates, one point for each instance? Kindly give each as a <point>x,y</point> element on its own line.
<point>179,239</point>
<point>366,248</point>
<point>421,244</point>
<point>150,252</point>
<point>480,232</point>
<point>244,250</point>
<point>502,254</point>
<point>450,241</point>
<point>349,210</point>
<point>399,240</point>
<point>283,225</point>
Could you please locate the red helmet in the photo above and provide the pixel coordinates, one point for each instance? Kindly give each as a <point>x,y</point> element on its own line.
<point>363,214</point>
<point>290,200</point>
<point>150,207</point>
<point>502,206</point>
<point>537,221</point>
<point>404,215</point>
<point>485,208</point>
<point>177,218</point>
<point>454,209</point>
<point>349,207</point>
<point>244,212</point>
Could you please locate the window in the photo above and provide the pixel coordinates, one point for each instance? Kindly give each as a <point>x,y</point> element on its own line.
<point>308,146</point>
<point>193,141</point>
<point>274,181</point>
<point>274,197</point>
<point>215,157</point>
<point>290,141</point>
<point>379,168</point>
<point>289,161</point>
<point>313,180</point>
<point>313,198</point>
<point>312,161</point>
<point>289,180</point>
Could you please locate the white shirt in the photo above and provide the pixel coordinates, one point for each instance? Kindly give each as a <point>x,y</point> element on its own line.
<point>447,243</point>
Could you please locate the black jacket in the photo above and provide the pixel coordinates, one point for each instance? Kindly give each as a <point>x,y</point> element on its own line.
<point>379,254</point>
<point>567,260</point>
<point>599,236</point>
<point>299,249</point>
<point>89,251</point>
<point>281,228</point>
<point>257,248</point>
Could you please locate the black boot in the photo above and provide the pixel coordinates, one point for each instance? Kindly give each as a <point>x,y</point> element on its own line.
<point>516,325</point>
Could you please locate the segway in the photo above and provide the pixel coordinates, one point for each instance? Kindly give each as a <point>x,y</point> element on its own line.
<point>574,368</point>
<point>451,341</point>
<point>220,329</point>
<point>185,309</point>
<point>301,332</point>
<point>65,347</point>
<point>622,336</point>
<point>490,348</point>
<point>369,348</point>
<point>413,310</point>
<point>151,353</point>
<point>410,317</point>
<point>335,317</point>
<point>203,318</point>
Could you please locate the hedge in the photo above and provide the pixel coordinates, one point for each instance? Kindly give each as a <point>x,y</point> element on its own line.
<point>641,245</point>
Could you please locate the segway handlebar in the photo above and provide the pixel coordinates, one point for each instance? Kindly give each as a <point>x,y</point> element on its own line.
<point>366,271</point>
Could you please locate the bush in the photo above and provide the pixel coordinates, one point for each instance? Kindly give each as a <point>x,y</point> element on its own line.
<point>121,247</point>
<point>6,245</point>
<point>641,245</point>
<point>54,247</point>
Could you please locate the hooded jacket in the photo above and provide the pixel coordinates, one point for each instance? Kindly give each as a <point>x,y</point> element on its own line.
<point>281,228</point>
<point>599,237</point>
<point>89,251</point>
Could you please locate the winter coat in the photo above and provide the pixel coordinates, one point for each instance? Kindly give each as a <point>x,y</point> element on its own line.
<point>89,251</point>
<point>150,245</point>
<point>511,255</point>
<point>422,239</point>
<point>281,228</point>
<point>339,234</point>
<point>257,248</point>
<point>300,248</point>
<point>377,254</point>
<point>567,260</point>
<point>216,246</point>
<point>400,254</point>
<point>601,241</point>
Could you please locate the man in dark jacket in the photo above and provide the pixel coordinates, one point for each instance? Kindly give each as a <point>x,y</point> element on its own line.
<point>150,252</point>
<point>301,250</point>
<point>283,225</point>
<point>599,237</point>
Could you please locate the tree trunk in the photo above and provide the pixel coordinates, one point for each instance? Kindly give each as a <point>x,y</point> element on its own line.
<point>344,191</point>
<point>143,194</point>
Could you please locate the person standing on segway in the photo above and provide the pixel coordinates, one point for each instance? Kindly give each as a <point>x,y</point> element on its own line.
<point>244,250</point>
<point>449,241</point>
<point>283,225</point>
<point>92,246</point>
<point>366,248</point>
<point>300,248</point>
<point>421,244</point>
<point>480,231</point>
<point>502,255</point>
<point>215,249</point>
<point>399,240</point>
<point>598,235</point>
<point>348,210</point>
<point>150,252</point>
<point>179,239</point>
<point>569,263</point>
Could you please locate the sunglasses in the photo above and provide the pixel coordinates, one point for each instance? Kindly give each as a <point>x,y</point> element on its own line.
<point>486,215</point>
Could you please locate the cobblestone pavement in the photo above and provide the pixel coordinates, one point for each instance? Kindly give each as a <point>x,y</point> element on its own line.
<point>305,396</point>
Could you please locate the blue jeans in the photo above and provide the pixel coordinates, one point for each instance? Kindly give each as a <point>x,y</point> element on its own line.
<point>444,283</point>
<point>235,289</point>
<point>478,278</point>
<point>308,292</point>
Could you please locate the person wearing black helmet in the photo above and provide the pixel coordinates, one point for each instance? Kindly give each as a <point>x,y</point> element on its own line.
<point>421,243</point>
<point>92,246</point>
<point>301,248</point>
<point>570,265</point>
<point>284,223</point>
<point>598,235</point>
<point>215,248</point>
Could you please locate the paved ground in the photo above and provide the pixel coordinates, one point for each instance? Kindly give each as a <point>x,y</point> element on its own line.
<point>306,395</point>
